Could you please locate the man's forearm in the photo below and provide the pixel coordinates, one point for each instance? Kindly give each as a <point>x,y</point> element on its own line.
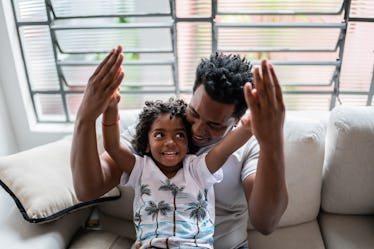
<point>85,161</point>
<point>269,197</point>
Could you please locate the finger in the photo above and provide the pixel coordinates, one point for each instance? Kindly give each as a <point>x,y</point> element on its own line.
<point>259,87</point>
<point>108,66</point>
<point>118,80</point>
<point>268,82</point>
<point>112,73</point>
<point>278,89</point>
<point>250,98</point>
<point>101,65</point>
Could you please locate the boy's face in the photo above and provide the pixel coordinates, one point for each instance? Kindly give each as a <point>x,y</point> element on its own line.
<point>168,142</point>
<point>210,120</point>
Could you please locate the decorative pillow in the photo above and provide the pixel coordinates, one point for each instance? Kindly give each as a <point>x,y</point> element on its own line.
<point>40,182</point>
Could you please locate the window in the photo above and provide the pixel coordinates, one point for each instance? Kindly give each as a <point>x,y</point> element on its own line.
<point>322,50</point>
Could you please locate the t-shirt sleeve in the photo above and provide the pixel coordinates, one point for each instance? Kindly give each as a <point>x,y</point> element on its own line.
<point>250,158</point>
<point>127,136</point>
<point>133,178</point>
<point>201,172</point>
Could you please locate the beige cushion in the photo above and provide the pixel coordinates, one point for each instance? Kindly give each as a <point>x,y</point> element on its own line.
<point>347,231</point>
<point>348,185</point>
<point>305,236</point>
<point>304,152</point>
<point>16,233</point>
<point>40,182</point>
<point>89,239</point>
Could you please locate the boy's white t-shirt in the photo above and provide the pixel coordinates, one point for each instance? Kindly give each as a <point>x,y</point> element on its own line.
<point>231,204</point>
<point>184,202</point>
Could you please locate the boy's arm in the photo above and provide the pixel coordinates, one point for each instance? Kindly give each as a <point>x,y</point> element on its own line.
<point>122,155</point>
<point>235,139</point>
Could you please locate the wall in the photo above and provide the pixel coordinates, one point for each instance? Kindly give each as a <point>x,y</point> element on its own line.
<point>19,131</point>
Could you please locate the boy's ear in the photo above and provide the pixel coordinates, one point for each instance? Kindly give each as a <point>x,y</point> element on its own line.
<point>147,150</point>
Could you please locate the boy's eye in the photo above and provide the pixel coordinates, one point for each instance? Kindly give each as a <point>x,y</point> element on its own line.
<point>158,135</point>
<point>180,135</point>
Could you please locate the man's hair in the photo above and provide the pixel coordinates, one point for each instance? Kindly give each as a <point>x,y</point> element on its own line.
<point>176,108</point>
<point>223,77</point>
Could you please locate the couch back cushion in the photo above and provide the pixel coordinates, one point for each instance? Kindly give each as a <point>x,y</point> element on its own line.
<point>304,152</point>
<point>348,175</point>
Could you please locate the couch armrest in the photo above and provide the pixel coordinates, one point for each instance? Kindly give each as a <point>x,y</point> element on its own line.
<point>17,233</point>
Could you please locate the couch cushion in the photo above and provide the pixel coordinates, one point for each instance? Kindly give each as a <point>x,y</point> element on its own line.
<point>40,182</point>
<point>347,231</point>
<point>305,236</point>
<point>304,153</point>
<point>16,233</point>
<point>348,184</point>
<point>121,208</point>
<point>88,239</point>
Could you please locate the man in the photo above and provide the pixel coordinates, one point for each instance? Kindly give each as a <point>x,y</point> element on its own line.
<point>254,176</point>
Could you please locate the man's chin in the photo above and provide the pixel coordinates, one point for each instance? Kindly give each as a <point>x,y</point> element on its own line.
<point>200,143</point>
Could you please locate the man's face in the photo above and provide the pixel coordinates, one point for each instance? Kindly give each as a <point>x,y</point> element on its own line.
<point>210,120</point>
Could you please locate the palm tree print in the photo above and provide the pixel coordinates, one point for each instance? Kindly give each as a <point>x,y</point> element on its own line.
<point>198,211</point>
<point>174,189</point>
<point>144,190</point>
<point>154,209</point>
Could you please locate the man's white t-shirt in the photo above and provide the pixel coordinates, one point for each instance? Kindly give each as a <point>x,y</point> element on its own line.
<point>231,204</point>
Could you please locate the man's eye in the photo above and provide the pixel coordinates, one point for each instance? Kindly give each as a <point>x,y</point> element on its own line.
<point>191,112</point>
<point>215,126</point>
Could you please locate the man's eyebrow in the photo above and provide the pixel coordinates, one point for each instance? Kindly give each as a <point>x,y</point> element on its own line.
<point>192,109</point>
<point>209,122</point>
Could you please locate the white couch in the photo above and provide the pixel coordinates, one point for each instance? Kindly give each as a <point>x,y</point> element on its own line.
<point>330,178</point>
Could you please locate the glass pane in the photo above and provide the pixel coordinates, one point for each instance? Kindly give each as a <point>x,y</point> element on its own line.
<point>194,42</point>
<point>128,101</point>
<point>68,8</point>
<point>315,102</point>
<point>362,8</point>
<point>99,40</point>
<point>274,38</point>
<point>39,57</point>
<point>304,75</point>
<point>357,100</point>
<point>358,58</point>
<point>193,8</point>
<point>280,6</point>
<point>30,10</point>
<point>135,75</point>
<point>49,107</point>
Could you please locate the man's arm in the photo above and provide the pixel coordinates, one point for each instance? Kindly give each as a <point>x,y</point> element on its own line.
<point>93,176</point>
<point>266,191</point>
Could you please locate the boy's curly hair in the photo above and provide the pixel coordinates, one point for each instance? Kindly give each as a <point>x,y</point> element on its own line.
<point>151,111</point>
<point>223,77</point>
